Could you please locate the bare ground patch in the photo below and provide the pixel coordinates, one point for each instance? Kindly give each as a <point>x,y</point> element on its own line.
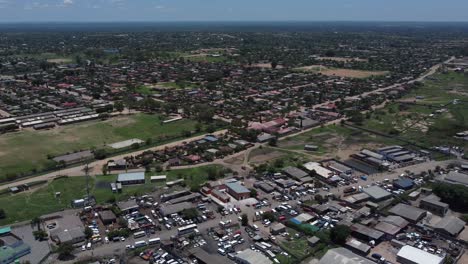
<point>342,59</point>
<point>349,73</point>
<point>259,156</point>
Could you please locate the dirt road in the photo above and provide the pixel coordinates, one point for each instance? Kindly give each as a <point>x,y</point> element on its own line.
<point>96,166</point>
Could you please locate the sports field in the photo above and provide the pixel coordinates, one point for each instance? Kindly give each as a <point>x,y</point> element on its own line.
<point>24,151</point>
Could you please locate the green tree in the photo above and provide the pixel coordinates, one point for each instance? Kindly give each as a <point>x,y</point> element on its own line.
<point>40,235</point>
<point>64,251</point>
<point>88,232</point>
<point>244,220</point>
<point>2,214</point>
<point>253,193</point>
<point>119,106</point>
<point>339,234</point>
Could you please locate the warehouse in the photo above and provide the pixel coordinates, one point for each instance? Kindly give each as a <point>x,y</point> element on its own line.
<point>377,194</point>
<point>237,191</point>
<point>403,183</point>
<point>433,204</point>
<point>408,212</point>
<point>131,178</point>
<point>264,187</point>
<point>343,256</point>
<point>75,157</point>
<point>412,255</point>
<point>166,210</point>
<point>220,196</point>
<point>358,247</point>
<point>249,256</point>
<point>454,177</point>
<point>295,173</point>
<point>319,170</point>
<point>450,225</point>
<point>128,206</point>
<point>366,233</point>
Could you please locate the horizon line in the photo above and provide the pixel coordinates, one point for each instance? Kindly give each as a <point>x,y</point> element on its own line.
<point>236,21</point>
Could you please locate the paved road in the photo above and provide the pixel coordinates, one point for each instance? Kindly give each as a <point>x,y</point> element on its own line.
<point>96,166</point>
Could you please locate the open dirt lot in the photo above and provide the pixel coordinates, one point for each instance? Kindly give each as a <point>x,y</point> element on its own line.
<point>349,73</point>
<point>259,156</point>
<point>342,59</point>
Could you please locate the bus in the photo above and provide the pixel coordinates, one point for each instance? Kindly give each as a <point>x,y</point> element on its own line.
<point>154,241</point>
<point>140,244</point>
<point>139,234</point>
<point>186,229</point>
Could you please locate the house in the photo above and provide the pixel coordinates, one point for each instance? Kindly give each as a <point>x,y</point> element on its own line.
<point>131,178</point>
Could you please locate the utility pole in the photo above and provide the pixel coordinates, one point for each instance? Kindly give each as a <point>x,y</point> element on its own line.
<point>86,170</point>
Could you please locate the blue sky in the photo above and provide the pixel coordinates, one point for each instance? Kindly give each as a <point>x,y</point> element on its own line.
<point>233,10</point>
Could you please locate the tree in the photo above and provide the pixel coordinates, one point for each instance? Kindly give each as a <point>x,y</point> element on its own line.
<point>40,235</point>
<point>64,251</point>
<point>273,142</point>
<point>270,216</point>
<point>319,198</point>
<point>2,214</point>
<point>253,193</point>
<point>104,169</point>
<point>100,154</point>
<point>88,232</point>
<point>119,106</point>
<point>244,220</point>
<point>274,64</point>
<point>36,221</point>
<point>339,234</point>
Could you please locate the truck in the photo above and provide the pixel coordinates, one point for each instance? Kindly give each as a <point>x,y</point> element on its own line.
<point>364,177</point>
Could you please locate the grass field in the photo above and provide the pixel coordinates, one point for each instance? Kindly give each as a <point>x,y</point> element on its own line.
<point>333,141</point>
<point>413,122</point>
<point>23,151</point>
<point>25,206</point>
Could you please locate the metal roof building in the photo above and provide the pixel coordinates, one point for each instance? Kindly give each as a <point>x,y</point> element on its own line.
<point>412,255</point>
<point>343,256</point>
<point>365,232</point>
<point>174,208</point>
<point>295,172</point>
<point>450,225</point>
<point>408,212</point>
<point>131,178</point>
<point>456,178</point>
<point>377,194</point>
<point>249,256</point>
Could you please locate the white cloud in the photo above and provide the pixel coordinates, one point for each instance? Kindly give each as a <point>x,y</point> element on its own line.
<point>67,2</point>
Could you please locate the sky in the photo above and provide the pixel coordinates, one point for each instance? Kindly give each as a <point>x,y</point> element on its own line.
<point>232,10</point>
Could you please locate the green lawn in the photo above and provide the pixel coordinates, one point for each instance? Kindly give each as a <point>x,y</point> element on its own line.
<point>24,151</point>
<point>25,206</point>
